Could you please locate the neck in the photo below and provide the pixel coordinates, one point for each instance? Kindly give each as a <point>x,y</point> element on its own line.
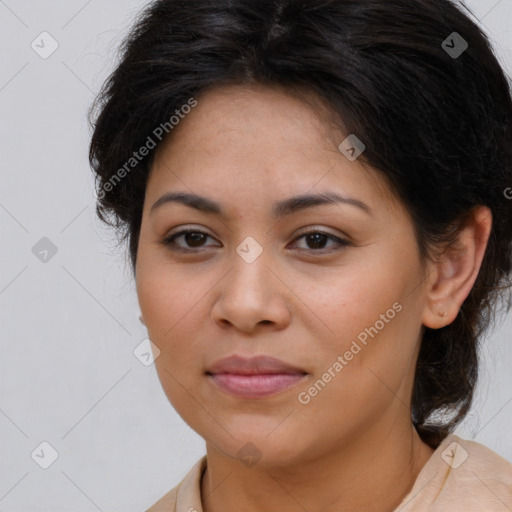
<point>374,473</point>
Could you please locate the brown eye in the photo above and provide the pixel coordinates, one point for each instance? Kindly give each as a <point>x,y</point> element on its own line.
<point>193,239</point>
<point>316,240</point>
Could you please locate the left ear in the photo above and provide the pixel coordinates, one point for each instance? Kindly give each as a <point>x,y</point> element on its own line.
<point>453,276</point>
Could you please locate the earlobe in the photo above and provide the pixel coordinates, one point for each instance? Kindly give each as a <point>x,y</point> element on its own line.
<point>456,270</point>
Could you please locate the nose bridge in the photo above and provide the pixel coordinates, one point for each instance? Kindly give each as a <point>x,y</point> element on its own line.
<point>250,264</point>
<point>249,295</point>
<point>250,250</point>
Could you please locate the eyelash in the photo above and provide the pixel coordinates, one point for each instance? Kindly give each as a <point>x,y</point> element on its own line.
<point>169,241</point>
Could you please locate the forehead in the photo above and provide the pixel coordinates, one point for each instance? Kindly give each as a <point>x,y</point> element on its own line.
<point>262,140</point>
<point>228,113</point>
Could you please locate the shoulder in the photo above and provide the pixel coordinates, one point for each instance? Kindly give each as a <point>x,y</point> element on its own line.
<point>187,492</point>
<point>462,476</point>
<point>166,503</point>
<point>478,469</point>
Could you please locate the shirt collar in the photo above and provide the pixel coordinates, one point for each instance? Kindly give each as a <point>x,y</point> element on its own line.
<point>188,497</point>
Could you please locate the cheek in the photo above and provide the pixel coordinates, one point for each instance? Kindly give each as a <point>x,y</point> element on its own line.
<point>371,317</point>
<point>354,301</point>
<point>170,305</point>
<point>175,307</point>
<point>168,298</point>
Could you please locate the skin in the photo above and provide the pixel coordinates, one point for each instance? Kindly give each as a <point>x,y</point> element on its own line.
<point>353,446</point>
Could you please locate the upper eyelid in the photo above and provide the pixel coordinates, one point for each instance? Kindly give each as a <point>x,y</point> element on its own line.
<point>305,231</point>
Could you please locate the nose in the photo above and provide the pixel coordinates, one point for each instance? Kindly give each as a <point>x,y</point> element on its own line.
<point>251,295</point>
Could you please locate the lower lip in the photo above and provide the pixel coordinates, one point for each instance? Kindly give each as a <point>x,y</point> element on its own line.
<point>254,386</point>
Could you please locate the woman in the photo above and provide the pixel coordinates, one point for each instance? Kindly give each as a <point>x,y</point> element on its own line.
<point>315,198</point>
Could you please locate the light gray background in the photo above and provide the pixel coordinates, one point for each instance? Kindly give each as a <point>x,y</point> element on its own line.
<point>68,375</point>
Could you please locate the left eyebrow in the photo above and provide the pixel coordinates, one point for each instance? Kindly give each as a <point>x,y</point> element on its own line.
<point>296,203</point>
<point>280,209</point>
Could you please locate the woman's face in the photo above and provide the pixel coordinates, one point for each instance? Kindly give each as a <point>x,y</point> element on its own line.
<point>334,290</point>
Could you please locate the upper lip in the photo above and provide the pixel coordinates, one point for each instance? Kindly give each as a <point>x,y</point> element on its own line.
<point>255,365</point>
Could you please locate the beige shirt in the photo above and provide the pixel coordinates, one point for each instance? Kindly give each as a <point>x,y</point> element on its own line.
<point>460,476</point>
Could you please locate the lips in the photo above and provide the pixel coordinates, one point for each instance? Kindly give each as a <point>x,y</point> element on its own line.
<point>253,366</point>
<point>254,377</point>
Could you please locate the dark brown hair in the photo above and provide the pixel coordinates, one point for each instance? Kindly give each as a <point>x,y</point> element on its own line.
<point>435,116</point>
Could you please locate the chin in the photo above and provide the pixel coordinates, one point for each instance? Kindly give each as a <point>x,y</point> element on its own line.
<point>261,441</point>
